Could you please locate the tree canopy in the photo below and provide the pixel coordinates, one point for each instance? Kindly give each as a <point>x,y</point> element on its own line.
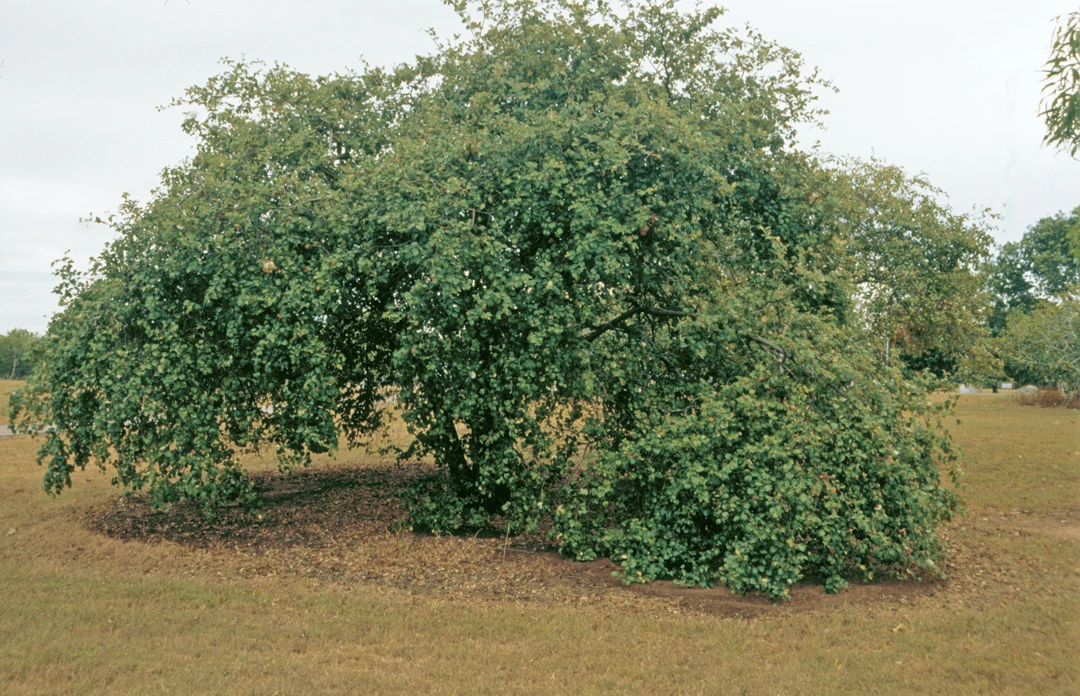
<point>1061,89</point>
<point>611,296</point>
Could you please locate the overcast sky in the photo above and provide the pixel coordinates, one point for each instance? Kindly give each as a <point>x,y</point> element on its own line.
<point>949,88</point>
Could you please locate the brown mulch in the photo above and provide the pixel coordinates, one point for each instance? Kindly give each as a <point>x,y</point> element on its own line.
<point>338,525</point>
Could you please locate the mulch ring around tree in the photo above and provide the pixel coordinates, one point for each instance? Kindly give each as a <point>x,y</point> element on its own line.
<point>337,525</point>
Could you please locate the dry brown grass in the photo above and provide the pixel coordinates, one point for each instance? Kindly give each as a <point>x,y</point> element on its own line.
<point>1050,398</point>
<point>149,610</point>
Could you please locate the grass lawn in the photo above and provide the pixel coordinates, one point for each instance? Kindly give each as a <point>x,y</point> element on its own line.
<point>156,607</point>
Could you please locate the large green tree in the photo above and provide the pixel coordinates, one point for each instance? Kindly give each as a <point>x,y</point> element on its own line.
<point>578,245</point>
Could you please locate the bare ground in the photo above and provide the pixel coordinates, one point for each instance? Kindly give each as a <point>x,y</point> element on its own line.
<point>335,525</point>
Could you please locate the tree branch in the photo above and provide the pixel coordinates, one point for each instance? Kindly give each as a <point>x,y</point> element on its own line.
<point>656,312</point>
<point>597,331</point>
<point>780,354</point>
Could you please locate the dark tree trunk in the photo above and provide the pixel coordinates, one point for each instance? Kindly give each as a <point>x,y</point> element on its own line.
<point>465,476</point>
<point>462,476</point>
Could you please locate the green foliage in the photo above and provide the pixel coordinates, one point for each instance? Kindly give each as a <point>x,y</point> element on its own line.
<point>1029,280</point>
<point>1008,280</point>
<point>916,267</point>
<point>1061,102</point>
<point>580,249</point>
<point>1045,345</point>
<point>216,321</point>
<point>1043,265</point>
<point>19,353</point>
<point>772,477</point>
<point>1050,255</point>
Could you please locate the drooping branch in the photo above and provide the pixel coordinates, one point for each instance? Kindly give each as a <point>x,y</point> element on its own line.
<point>597,331</point>
<point>781,354</point>
<point>656,312</point>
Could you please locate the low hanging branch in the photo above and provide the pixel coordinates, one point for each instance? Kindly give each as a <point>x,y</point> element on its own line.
<point>781,354</point>
<point>600,330</point>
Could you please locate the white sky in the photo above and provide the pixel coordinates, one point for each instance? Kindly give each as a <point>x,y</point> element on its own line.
<point>949,88</point>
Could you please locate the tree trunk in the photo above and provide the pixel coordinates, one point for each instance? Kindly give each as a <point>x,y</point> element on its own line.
<point>465,476</point>
<point>462,476</point>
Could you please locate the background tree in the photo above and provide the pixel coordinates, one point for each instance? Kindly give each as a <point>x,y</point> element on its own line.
<point>1009,283</point>
<point>581,247</point>
<point>19,352</point>
<point>1043,265</point>
<point>1036,282</point>
<point>1038,338</point>
<point>1046,344</point>
<point>916,268</point>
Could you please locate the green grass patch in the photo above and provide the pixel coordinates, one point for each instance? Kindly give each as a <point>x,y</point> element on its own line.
<point>1019,458</point>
